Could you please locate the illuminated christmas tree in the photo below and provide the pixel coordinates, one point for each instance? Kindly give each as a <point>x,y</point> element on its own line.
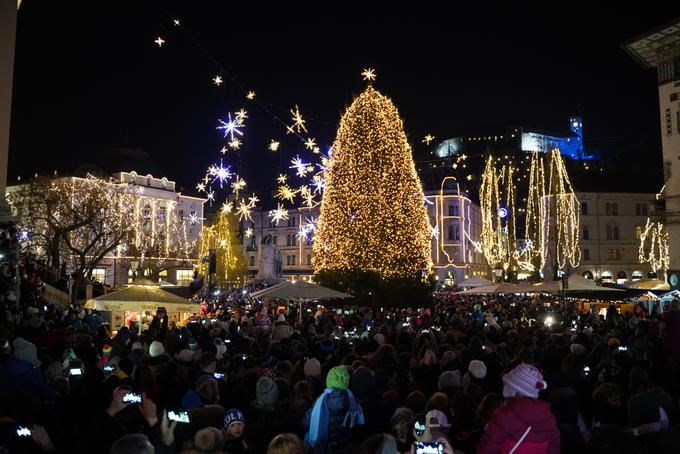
<point>220,239</point>
<point>373,218</point>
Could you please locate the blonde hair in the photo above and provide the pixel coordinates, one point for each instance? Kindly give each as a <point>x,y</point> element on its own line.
<point>285,443</point>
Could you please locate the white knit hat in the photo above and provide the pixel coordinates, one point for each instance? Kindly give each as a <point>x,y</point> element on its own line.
<point>524,380</point>
<point>156,349</point>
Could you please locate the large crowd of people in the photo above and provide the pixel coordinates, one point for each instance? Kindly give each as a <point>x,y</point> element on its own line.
<point>468,374</point>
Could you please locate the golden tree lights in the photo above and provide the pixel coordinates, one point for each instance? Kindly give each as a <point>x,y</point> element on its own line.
<point>497,200</point>
<point>372,213</point>
<point>533,257</point>
<point>561,217</point>
<point>654,247</point>
<point>221,239</point>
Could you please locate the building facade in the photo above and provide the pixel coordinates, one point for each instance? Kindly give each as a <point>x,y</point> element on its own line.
<point>611,225</point>
<point>455,218</point>
<point>660,49</point>
<point>167,228</point>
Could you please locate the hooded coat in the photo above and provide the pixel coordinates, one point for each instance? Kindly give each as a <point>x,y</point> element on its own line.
<point>511,420</point>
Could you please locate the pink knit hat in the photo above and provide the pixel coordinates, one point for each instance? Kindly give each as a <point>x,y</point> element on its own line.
<point>524,380</point>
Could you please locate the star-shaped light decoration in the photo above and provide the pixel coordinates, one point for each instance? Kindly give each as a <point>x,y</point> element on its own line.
<point>316,150</point>
<point>250,96</point>
<point>252,200</point>
<point>455,165</point>
<point>224,150</point>
<point>469,177</point>
<point>286,193</point>
<point>235,144</point>
<point>211,196</point>
<point>200,187</point>
<point>217,80</point>
<point>428,138</point>
<point>299,166</point>
<point>274,145</point>
<point>318,183</point>
<point>238,185</point>
<point>160,41</point>
<point>244,211</point>
<point>298,121</point>
<point>279,214</point>
<point>241,115</point>
<point>227,207</point>
<point>368,74</point>
<point>176,22</point>
<point>281,178</point>
<point>231,127</point>
<point>311,143</point>
<point>249,232</point>
<point>193,218</point>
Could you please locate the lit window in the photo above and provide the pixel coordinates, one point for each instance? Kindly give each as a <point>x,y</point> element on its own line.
<point>184,277</point>
<point>99,274</point>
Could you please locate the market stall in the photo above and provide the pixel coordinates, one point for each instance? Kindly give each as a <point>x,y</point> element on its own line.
<point>131,305</point>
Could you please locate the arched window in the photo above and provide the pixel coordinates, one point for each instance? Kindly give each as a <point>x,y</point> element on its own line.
<point>637,275</point>
<point>588,275</point>
<point>606,276</point>
<point>621,275</point>
<point>616,232</point>
<point>586,233</point>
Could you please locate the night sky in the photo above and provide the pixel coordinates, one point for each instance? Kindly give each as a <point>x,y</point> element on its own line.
<point>90,78</point>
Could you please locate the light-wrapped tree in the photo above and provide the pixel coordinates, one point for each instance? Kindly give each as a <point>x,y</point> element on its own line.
<point>373,218</point>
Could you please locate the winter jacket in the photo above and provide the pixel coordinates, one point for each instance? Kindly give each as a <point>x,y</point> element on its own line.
<point>511,420</point>
<point>339,436</point>
<point>22,375</point>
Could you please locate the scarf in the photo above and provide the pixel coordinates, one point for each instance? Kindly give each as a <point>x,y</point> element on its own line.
<point>319,420</point>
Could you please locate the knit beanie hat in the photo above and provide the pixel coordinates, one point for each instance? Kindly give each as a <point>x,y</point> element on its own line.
<point>524,380</point>
<point>267,391</point>
<point>312,368</point>
<point>233,415</point>
<point>156,349</point>
<point>25,351</point>
<point>106,350</point>
<point>449,379</point>
<point>338,377</point>
<point>477,369</point>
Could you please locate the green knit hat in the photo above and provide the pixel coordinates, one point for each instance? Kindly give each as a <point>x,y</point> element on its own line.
<point>338,377</point>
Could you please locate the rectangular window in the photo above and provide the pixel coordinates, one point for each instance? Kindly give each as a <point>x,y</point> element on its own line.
<point>99,274</point>
<point>451,210</point>
<point>456,233</point>
<point>615,209</point>
<point>274,240</point>
<point>638,209</point>
<point>450,235</point>
<point>607,209</point>
<point>617,254</point>
<point>292,260</point>
<point>455,210</point>
<point>586,254</point>
<point>309,259</point>
<point>584,208</point>
<point>184,277</point>
<point>288,260</point>
<point>610,254</point>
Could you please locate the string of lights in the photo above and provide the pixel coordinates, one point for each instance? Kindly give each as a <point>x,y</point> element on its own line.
<point>372,214</point>
<point>653,247</point>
